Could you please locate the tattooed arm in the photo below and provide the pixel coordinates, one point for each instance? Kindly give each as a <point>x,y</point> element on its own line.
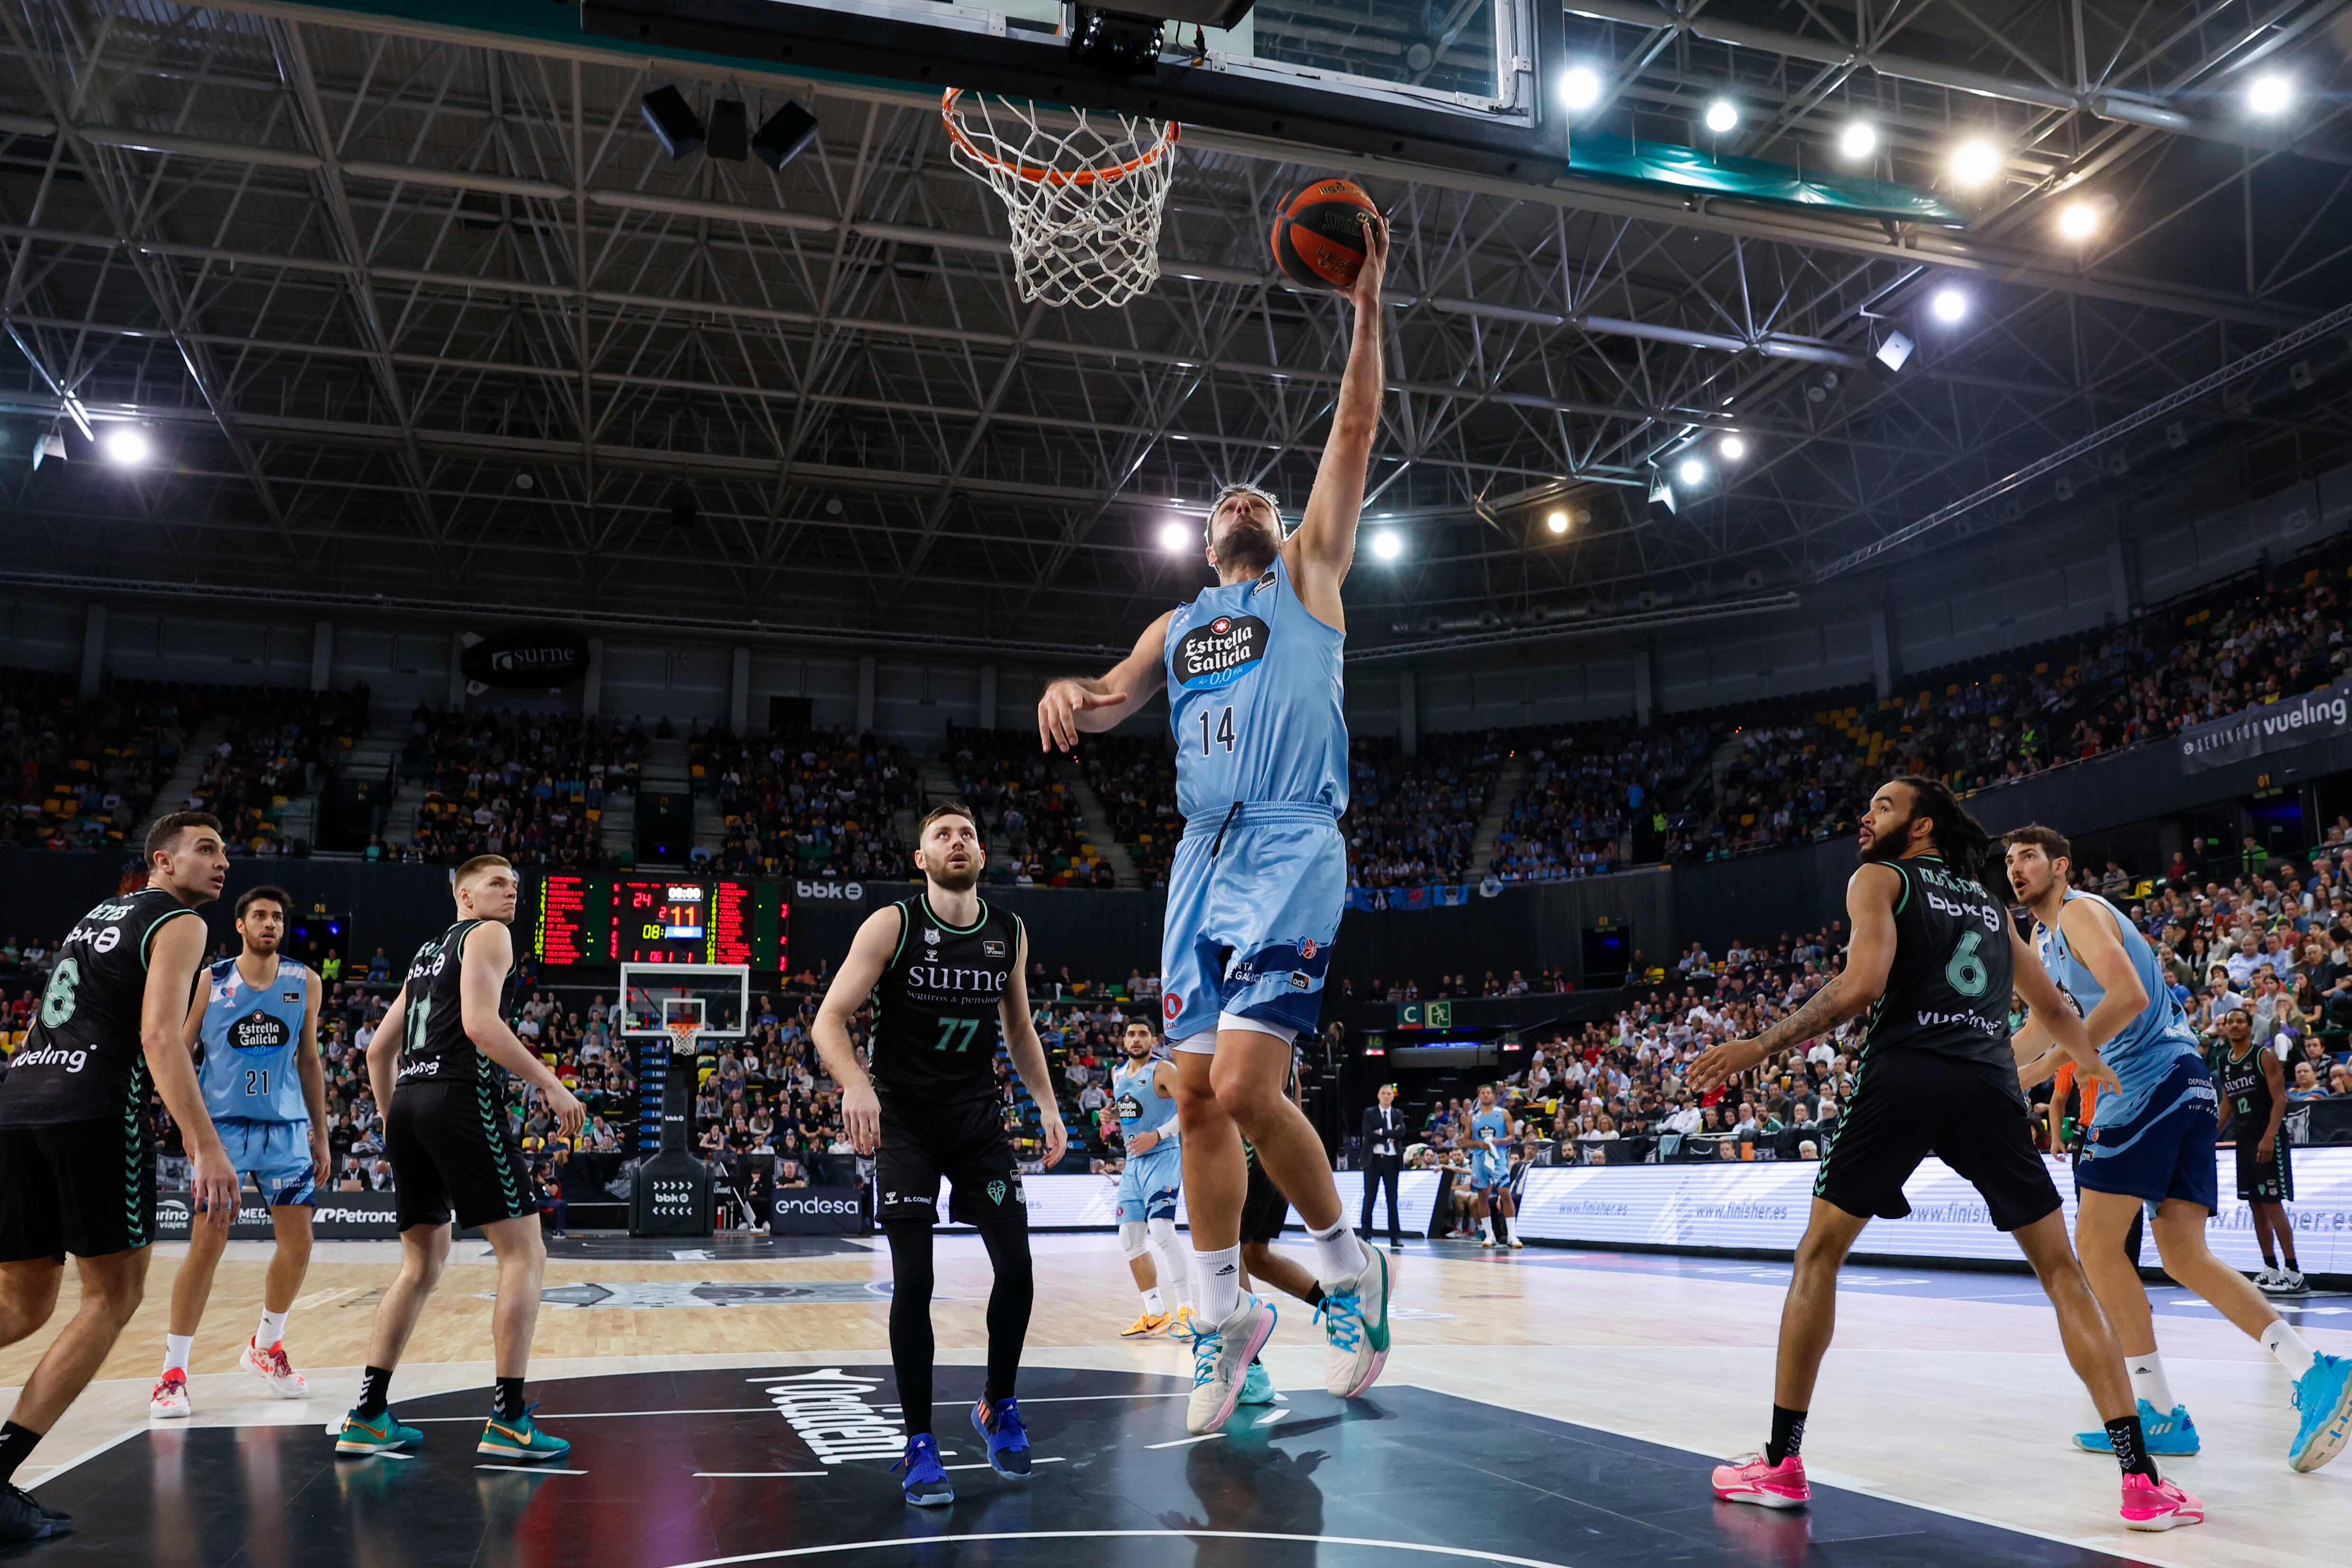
<point>1869,897</point>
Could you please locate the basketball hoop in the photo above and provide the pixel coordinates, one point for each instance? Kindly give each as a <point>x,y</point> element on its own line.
<point>681,1037</point>
<point>1086,203</point>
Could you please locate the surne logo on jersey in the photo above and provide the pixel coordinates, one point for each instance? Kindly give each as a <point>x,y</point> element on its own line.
<point>1220,652</point>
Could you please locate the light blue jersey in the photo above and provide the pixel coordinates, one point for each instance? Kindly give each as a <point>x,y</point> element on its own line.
<point>251,1036</point>
<point>1490,1167</point>
<point>2145,1050</point>
<point>1253,700</point>
<point>1140,1108</point>
<point>1149,1181</point>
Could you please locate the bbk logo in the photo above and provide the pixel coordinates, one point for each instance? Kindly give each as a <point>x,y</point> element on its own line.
<point>847,892</point>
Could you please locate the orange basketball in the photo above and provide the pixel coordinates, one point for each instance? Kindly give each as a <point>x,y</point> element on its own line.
<point>1318,235</point>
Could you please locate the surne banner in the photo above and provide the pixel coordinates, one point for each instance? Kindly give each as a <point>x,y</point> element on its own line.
<point>541,660</point>
<point>2273,727</point>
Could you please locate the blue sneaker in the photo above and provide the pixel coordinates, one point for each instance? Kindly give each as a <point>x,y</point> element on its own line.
<point>2324,1396</point>
<point>521,1440</point>
<point>2169,1437</point>
<point>379,1433</point>
<point>927,1484</point>
<point>1008,1440</point>
<point>1256,1388</point>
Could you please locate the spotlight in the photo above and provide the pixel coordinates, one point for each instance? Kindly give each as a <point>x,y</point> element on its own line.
<point>1690,472</point>
<point>2269,94</point>
<point>730,130</point>
<point>1722,115</point>
<point>1387,544</point>
<point>1949,305</point>
<point>672,120</point>
<point>1580,88</point>
<point>1733,449</point>
<point>1895,351</point>
<point>2078,221</point>
<point>1556,523</point>
<point>787,132</point>
<point>1175,538</point>
<point>1660,493</point>
<point>1115,43</point>
<point>1858,140</point>
<point>127,447</point>
<point>1975,161</point>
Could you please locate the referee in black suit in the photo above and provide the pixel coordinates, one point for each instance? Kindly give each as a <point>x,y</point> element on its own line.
<point>1383,1135</point>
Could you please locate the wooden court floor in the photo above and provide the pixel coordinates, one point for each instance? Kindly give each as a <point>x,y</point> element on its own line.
<point>1944,1391</point>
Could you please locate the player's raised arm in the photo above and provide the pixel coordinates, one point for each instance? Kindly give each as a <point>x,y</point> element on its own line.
<point>1324,545</point>
<point>173,962</point>
<point>1028,1053</point>
<point>1091,704</point>
<point>853,983</point>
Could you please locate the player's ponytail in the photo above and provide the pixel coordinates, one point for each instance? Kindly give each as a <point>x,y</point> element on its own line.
<point>1961,838</point>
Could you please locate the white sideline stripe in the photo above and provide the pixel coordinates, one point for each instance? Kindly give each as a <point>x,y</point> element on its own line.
<point>754,1475</point>
<point>602,1415</point>
<point>530,1469</point>
<point>1470,1552</point>
<point>1174,1443</point>
<point>983,1466</point>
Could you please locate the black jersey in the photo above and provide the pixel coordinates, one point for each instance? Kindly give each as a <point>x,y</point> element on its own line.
<point>936,1027</point>
<point>436,1048</point>
<point>1950,987</point>
<point>81,1061</point>
<point>2244,1089</point>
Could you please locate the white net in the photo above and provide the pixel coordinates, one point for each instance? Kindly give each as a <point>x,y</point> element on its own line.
<point>1085,199</point>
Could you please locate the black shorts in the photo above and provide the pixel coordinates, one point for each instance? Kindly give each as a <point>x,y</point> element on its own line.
<point>83,1187</point>
<point>1909,1104</point>
<point>2270,1181</point>
<point>1264,1208</point>
<point>962,1141</point>
<point>450,1150</point>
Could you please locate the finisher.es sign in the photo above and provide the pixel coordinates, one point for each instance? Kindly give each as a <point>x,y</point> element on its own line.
<point>2274,727</point>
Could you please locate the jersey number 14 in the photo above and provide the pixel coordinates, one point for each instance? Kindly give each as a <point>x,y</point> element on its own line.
<point>1224,734</point>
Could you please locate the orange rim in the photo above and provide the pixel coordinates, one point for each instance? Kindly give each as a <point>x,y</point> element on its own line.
<point>1036,174</point>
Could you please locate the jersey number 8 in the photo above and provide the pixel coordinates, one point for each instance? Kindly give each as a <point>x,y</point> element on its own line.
<point>58,1001</point>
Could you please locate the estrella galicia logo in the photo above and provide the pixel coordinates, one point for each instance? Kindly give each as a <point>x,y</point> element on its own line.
<point>1220,652</point>
<point>996,1191</point>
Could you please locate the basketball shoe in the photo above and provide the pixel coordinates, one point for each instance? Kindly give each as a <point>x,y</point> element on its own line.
<point>1146,1326</point>
<point>1222,1355</point>
<point>1749,1478</point>
<point>379,1433</point>
<point>2323,1398</point>
<point>170,1401</point>
<point>520,1439</point>
<point>1257,1388</point>
<point>1355,1318</point>
<point>271,1366</point>
<point>927,1484</point>
<point>999,1426</point>
<point>2159,1505</point>
<point>2170,1437</point>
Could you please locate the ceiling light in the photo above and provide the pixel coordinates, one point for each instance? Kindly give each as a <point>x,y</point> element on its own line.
<point>1580,88</point>
<point>1858,140</point>
<point>2269,94</point>
<point>1722,115</point>
<point>1975,161</point>
<point>1387,544</point>
<point>1949,305</point>
<point>2078,220</point>
<point>1556,523</point>
<point>1895,352</point>
<point>1690,470</point>
<point>127,445</point>
<point>1733,449</point>
<point>1175,538</point>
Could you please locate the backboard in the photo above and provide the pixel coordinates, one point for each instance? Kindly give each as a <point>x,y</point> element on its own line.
<point>1451,82</point>
<point>715,996</point>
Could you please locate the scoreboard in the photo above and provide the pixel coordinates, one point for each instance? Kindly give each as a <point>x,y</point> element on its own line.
<point>584,918</point>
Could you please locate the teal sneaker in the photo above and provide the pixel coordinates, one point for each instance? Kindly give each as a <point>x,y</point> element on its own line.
<point>1256,1388</point>
<point>378,1434</point>
<point>521,1440</point>
<point>2168,1436</point>
<point>2322,1394</point>
<point>927,1484</point>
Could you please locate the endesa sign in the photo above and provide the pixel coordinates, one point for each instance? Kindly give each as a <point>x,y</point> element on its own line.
<point>819,1211</point>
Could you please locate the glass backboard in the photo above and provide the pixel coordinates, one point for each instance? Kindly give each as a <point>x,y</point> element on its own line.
<point>716,997</point>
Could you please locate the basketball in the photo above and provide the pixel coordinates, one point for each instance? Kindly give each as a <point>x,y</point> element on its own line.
<point>1318,235</point>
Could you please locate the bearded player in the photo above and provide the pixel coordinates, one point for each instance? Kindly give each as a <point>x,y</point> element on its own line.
<point>1143,1087</point>
<point>1252,667</point>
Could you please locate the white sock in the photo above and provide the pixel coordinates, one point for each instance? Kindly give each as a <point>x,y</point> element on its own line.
<point>1487,1228</point>
<point>1337,1254</point>
<point>1177,1264</point>
<point>1151,1303</point>
<point>175,1351</point>
<point>273,1328</point>
<point>2147,1381</point>
<point>1220,1281</point>
<point>2286,1347</point>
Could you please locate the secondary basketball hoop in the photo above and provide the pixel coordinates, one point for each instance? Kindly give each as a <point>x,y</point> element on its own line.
<point>1085,201</point>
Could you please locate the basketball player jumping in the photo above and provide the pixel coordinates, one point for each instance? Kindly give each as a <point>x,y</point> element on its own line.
<point>76,1149</point>
<point>1936,959</point>
<point>258,1020</point>
<point>2152,1142</point>
<point>943,972</point>
<point>446,1039</point>
<point>1251,666</point>
<point>1144,1089</point>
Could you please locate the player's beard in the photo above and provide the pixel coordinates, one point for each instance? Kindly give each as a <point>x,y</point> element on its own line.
<point>1887,847</point>
<point>949,879</point>
<point>1248,548</point>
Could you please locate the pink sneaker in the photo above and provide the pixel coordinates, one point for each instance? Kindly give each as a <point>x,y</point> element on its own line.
<point>1749,1478</point>
<point>2159,1505</point>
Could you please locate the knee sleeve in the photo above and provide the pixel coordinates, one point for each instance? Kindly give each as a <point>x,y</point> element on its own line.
<point>1163,1234</point>
<point>1133,1238</point>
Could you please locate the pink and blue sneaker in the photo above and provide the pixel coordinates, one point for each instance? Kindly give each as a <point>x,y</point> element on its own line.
<point>1749,1478</point>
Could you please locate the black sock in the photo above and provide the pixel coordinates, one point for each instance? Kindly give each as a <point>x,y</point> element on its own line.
<point>506,1405</point>
<point>910,1320</point>
<point>1009,1300</point>
<point>1314,1297</point>
<point>1788,1434</point>
<point>375,1391</point>
<point>16,1442</point>
<point>2131,1447</point>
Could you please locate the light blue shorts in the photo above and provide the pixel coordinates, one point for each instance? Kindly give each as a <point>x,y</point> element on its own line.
<point>1147,1188</point>
<point>1489,1170</point>
<point>1250,926</point>
<point>277,1153</point>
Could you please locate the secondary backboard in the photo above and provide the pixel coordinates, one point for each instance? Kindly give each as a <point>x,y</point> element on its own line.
<point>716,997</point>
<point>1455,82</point>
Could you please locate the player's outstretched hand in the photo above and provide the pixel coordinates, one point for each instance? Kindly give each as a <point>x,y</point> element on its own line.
<point>1721,1064</point>
<point>215,1186</point>
<point>569,1112</point>
<point>1058,711</point>
<point>1365,293</point>
<point>861,1117</point>
<point>1058,1139</point>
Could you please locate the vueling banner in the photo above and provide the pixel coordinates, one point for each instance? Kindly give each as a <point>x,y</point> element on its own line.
<point>2273,727</point>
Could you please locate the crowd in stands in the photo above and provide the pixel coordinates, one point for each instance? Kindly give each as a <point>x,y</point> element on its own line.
<point>1412,820</point>
<point>278,744</point>
<point>1029,816</point>
<point>529,786</point>
<point>1583,790</point>
<point>819,803</point>
<point>1134,777</point>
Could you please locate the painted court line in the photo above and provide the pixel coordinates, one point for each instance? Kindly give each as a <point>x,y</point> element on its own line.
<point>602,1415</point>
<point>755,1475</point>
<point>530,1469</point>
<point>1180,1442</point>
<point>983,1465</point>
